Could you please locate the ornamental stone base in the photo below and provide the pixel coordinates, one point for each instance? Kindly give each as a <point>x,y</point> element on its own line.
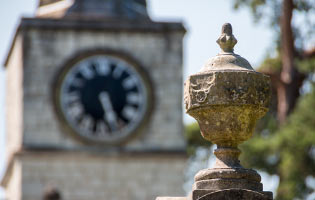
<point>226,98</point>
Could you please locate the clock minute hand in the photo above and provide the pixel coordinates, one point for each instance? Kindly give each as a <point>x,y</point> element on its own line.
<point>109,113</point>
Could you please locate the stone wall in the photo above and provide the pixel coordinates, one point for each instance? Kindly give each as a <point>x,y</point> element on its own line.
<point>14,99</point>
<point>80,176</point>
<point>14,186</point>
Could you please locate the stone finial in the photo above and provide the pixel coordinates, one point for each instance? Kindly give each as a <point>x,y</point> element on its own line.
<point>227,41</point>
<point>226,98</point>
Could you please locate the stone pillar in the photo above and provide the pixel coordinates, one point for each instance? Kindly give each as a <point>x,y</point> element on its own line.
<point>227,97</point>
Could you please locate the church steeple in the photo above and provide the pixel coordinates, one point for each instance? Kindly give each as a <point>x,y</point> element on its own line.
<point>126,9</point>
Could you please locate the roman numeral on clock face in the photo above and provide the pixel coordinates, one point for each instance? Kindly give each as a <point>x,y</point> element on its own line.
<point>129,112</point>
<point>101,129</point>
<point>118,70</point>
<point>129,82</point>
<point>86,71</point>
<point>102,67</point>
<point>87,124</point>
<point>72,97</point>
<point>134,98</point>
<point>75,110</point>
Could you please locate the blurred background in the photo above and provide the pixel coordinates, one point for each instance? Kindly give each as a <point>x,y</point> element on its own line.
<point>278,38</point>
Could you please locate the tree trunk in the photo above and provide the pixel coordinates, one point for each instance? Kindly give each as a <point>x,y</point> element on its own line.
<point>288,91</point>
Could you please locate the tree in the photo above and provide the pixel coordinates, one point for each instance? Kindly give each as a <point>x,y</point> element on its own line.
<point>194,138</point>
<point>286,147</point>
<point>280,15</point>
<point>287,151</point>
<point>288,90</point>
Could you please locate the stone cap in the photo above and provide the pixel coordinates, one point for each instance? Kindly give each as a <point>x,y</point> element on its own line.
<point>227,60</point>
<point>237,194</point>
<point>171,198</point>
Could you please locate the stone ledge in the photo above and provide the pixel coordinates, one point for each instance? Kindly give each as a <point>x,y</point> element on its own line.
<point>171,198</point>
<point>102,25</point>
<point>237,194</point>
<point>228,194</point>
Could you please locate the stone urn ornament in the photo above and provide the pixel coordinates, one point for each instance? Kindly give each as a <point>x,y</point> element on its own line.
<point>226,98</point>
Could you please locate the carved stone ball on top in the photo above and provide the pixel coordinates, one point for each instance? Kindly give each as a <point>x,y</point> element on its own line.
<point>227,97</point>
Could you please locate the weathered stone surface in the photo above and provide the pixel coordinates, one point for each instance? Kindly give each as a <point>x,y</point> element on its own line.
<point>228,194</point>
<point>227,88</point>
<point>83,176</point>
<point>236,194</point>
<point>226,98</point>
<point>226,173</point>
<point>221,184</point>
<point>171,198</point>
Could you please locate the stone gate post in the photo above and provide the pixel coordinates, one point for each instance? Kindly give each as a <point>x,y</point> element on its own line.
<point>226,98</point>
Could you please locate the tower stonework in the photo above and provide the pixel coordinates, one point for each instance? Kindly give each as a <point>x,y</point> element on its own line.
<point>94,104</point>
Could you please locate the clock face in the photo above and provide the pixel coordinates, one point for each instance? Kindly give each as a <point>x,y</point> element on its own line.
<point>103,98</point>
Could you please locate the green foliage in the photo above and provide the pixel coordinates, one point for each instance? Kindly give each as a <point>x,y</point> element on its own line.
<point>288,151</point>
<point>255,6</point>
<point>272,8</point>
<point>296,140</point>
<point>261,9</point>
<point>306,66</point>
<point>194,138</point>
<point>269,11</point>
<point>271,65</point>
<point>304,5</point>
<point>274,65</point>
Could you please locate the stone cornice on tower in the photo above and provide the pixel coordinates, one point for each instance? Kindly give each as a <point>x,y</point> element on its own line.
<point>110,25</point>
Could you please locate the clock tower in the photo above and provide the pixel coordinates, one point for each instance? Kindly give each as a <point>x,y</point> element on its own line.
<point>94,105</point>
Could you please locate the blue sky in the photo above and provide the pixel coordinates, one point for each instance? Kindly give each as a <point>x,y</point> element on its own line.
<point>202,18</point>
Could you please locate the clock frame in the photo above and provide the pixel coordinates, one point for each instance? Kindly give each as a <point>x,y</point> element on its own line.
<point>136,70</point>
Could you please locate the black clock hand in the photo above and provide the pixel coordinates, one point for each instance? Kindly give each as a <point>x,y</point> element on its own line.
<point>109,113</point>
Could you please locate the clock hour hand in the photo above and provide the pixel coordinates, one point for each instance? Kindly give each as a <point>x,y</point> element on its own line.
<point>109,113</point>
